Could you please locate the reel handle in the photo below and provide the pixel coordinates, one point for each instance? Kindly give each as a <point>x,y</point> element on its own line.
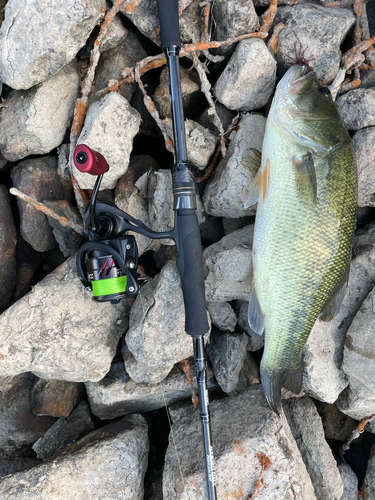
<point>169,24</point>
<point>89,161</point>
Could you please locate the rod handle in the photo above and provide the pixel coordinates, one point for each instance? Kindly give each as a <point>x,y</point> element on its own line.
<point>169,24</point>
<point>190,267</point>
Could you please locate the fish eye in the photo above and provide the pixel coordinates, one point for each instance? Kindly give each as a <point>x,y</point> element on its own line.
<point>325,91</point>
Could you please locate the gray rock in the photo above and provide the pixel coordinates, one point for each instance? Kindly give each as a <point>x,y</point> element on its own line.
<point>227,354</point>
<point>34,122</point>
<point>315,452</point>
<point>255,341</point>
<point>228,267</point>
<point>28,264</point>
<point>117,394</point>
<point>141,373</point>
<point>265,440</point>
<point>369,482</point>
<point>191,93</point>
<point>251,67</point>
<point>8,241</point>
<point>65,431</point>
<point>357,108</point>
<point>228,189</point>
<point>68,240</point>
<point>38,178</point>
<point>364,147</point>
<point>3,162</point>
<point>110,127</point>
<point>11,465</point>
<point>222,316</point>
<point>209,120</point>
<point>56,398</point>
<point>108,464</point>
<point>157,322</point>
<point>231,225</point>
<point>19,427</point>
<point>337,426</point>
<point>200,142</point>
<point>115,35</point>
<point>322,355</point>
<point>160,202</point>
<point>36,42</point>
<point>58,332</point>
<point>320,30</point>
<point>358,399</point>
<point>350,482</point>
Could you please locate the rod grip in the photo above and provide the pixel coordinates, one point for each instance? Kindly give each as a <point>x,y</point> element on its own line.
<point>190,267</point>
<point>169,24</point>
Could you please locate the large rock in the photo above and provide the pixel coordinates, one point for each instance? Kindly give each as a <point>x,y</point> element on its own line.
<point>228,189</point>
<point>110,127</point>
<point>313,30</point>
<point>19,427</point>
<point>39,179</point>
<point>57,398</point>
<point>222,316</point>
<point>255,341</point>
<point>58,332</point>
<point>108,464</point>
<point>228,267</point>
<point>357,108</point>
<point>350,482</point>
<point>248,438</point>
<point>369,482</point>
<point>8,241</point>
<point>249,78</point>
<point>364,147</point>
<point>38,39</point>
<point>34,121</point>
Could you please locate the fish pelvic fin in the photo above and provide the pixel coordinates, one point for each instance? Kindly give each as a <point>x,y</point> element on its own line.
<point>333,304</point>
<point>255,316</point>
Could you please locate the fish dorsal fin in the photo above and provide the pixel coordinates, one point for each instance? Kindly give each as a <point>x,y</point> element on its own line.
<point>333,304</point>
<point>255,315</point>
<point>305,176</point>
<point>260,185</point>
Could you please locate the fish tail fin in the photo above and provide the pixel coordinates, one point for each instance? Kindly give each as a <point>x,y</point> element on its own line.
<point>272,380</point>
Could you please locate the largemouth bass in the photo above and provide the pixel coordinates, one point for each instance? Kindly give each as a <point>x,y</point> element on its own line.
<point>306,188</point>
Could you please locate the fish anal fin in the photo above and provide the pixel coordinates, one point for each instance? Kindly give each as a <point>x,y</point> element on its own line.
<point>255,315</point>
<point>305,176</point>
<point>333,304</point>
<point>271,383</point>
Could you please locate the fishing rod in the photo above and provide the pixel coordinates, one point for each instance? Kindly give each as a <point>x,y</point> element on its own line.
<point>107,262</point>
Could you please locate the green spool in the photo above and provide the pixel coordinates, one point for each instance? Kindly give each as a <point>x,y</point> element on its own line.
<point>109,286</point>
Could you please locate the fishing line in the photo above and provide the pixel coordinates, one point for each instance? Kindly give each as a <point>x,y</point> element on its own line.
<point>165,402</point>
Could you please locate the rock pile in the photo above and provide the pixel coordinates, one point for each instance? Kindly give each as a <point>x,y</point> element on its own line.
<point>83,384</point>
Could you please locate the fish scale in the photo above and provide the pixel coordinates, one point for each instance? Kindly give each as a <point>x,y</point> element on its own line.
<point>302,246</point>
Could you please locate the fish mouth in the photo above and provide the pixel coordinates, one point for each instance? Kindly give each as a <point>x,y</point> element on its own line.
<point>295,80</point>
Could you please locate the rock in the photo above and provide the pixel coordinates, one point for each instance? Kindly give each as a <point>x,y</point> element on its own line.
<point>34,121</point>
<point>116,34</point>
<point>200,142</point>
<point>192,96</point>
<point>19,427</point>
<point>265,444</point>
<point>358,399</point>
<point>157,322</point>
<point>249,78</point>
<point>58,332</point>
<point>227,354</point>
<point>364,147</point>
<point>357,108</point>
<point>231,225</point>
<point>38,178</point>
<point>228,189</point>
<point>129,198</point>
<point>228,267</point>
<point>209,120</point>
<point>141,373</point>
<point>37,41</point>
<point>222,316</point>
<point>28,267</point>
<point>322,355</point>
<point>160,202</point>
<point>110,127</point>
<point>113,62</point>
<point>68,240</point>
<point>337,426</point>
<point>8,241</point>
<point>315,452</point>
<point>162,256</point>
<point>65,431</point>
<point>3,162</point>
<point>56,398</point>
<point>117,394</point>
<point>255,341</point>
<point>16,464</point>
<point>211,230</point>
<point>317,30</point>
<point>109,463</point>
<point>350,482</point>
<point>369,482</point>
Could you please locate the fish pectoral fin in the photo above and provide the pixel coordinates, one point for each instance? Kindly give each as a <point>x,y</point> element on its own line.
<point>305,177</point>
<point>253,160</point>
<point>255,315</point>
<point>333,304</point>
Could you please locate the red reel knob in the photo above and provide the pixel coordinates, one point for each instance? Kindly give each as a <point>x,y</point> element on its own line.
<point>89,161</point>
